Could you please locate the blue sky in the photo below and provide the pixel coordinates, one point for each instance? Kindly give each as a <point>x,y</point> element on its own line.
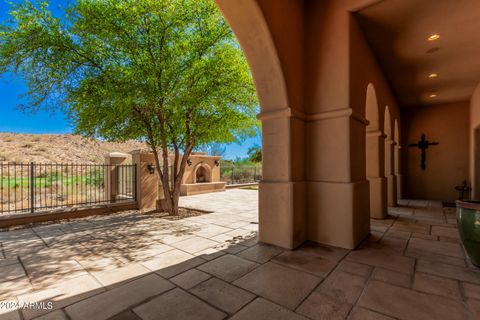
<point>14,120</point>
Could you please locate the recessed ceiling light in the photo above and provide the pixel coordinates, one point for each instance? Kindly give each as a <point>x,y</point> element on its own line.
<point>433,75</point>
<point>433,37</point>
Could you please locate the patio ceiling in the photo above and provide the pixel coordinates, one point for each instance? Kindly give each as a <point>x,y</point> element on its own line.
<point>398,32</point>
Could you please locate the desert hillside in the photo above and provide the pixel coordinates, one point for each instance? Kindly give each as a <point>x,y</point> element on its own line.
<point>58,148</point>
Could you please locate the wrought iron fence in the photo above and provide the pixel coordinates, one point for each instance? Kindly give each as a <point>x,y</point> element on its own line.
<point>239,175</point>
<point>32,187</point>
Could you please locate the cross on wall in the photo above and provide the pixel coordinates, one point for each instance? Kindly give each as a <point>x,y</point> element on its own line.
<point>423,145</point>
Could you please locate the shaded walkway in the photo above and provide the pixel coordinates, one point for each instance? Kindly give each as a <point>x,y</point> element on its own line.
<point>133,266</point>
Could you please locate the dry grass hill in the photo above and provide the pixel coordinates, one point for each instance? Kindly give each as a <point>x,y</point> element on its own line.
<point>58,148</point>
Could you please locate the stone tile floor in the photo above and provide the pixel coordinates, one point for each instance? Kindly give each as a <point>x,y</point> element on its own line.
<point>137,266</point>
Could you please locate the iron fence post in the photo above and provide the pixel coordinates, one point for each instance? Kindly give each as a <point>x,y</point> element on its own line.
<point>232,175</point>
<point>32,187</point>
<point>135,182</point>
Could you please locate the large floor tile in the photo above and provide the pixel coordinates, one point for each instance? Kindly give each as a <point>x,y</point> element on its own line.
<point>334,298</point>
<point>285,286</point>
<point>61,294</point>
<point>178,305</point>
<point>437,285</point>
<point>382,258</point>
<point>110,303</point>
<point>172,262</point>
<point>306,261</point>
<point>195,244</point>
<point>407,304</point>
<point>222,295</point>
<point>190,278</point>
<point>436,247</point>
<point>113,277</point>
<point>228,267</point>
<point>260,253</point>
<point>448,271</point>
<point>265,310</point>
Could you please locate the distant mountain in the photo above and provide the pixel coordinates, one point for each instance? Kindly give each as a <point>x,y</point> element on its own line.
<point>58,148</point>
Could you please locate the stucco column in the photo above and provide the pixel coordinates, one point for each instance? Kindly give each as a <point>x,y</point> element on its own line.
<point>282,217</point>
<point>147,181</point>
<point>397,170</point>
<point>111,174</point>
<point>375,174</point>
<point>338,192</point>
<point>389,173</point>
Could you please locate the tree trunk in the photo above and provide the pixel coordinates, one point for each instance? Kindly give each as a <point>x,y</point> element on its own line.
<point>170,203</point>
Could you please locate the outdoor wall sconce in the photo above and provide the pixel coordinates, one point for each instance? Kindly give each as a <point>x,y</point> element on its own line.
<point>151,168</point>
<point>189,162</point>
<point>217,163</point>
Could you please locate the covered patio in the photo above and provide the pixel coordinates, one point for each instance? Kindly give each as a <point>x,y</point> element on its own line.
<point>141,266</point>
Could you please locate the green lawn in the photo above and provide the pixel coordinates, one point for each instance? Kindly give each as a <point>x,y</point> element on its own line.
<point>47,182</point>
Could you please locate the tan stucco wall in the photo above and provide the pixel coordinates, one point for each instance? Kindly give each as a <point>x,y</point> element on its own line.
<point>314,180</point>
<point>199,159</point>
<point>364,69</point>
<point>447,164</point>
<point>475,143</point>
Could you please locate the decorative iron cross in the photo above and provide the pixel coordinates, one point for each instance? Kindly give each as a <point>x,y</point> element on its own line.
<point>423,145</point>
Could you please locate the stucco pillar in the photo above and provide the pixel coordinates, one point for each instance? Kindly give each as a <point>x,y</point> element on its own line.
<point>282,217</point>
<point>375,174</point>
<point>397,170</point>
<point>389,173</point>
<point>110,173</point>
<point>147,182</point>
<point>338,192</point>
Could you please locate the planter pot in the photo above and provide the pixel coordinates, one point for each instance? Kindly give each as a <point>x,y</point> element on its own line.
<point>468,222</point>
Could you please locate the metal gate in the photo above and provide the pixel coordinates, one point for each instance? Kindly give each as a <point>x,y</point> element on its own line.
<point>27,188</point>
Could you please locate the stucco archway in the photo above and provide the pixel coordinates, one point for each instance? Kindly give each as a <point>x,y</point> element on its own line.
<point>282,213</point>
<point>389,159</point>
<point>202,173</point>
<point>374,156</point>
<point>397,159</point>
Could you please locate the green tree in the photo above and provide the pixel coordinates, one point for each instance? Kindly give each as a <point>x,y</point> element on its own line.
<point>168,72</point>
<point>255,153</point>
<point>213,149</point>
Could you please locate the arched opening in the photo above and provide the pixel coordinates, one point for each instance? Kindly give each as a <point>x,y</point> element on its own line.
<point>203,173</point>
<point>374,157</point>
<point>280,193</point>
<point>389,162</point>
<point>397,159</point>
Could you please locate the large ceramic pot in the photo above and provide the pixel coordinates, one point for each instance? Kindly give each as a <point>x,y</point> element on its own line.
<point>468,221</point>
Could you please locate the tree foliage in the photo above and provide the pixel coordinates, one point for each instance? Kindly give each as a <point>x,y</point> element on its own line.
<point>213,149</point>
<point>168,72</point>
<point>255,153</point>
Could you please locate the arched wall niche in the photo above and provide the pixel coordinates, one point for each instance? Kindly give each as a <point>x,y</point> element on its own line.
<point>389,159</point>
<point>387,123</point>
<point>397,167</point>
<point>374,156</point>
<point>202,173</point>
<point>371,109</point>
<point>396,133</point>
